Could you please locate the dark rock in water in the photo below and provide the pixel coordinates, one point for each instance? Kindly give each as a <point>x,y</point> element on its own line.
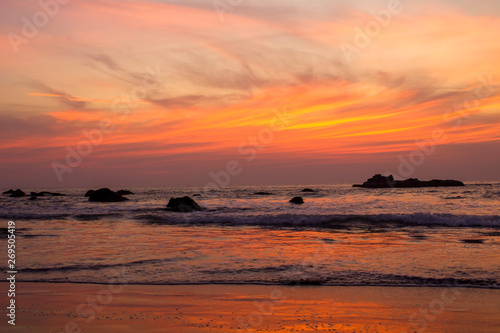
<point>297,200</point>
<point>89,193</point>
<point>124,192</point>
<point>308,190</point>
<point>448,182</point>
<point>106,195</point>
<point>196,195</point>
<point>17,193</point>
<point>184,204</point>
<point>379,181</point>
<point>411,182</point>
<point>263,193</point>
<point>472,241</point>
<point>33,198</point>
<point>42,194</point>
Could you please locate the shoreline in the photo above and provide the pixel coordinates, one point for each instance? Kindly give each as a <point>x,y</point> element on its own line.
<point>55,307</point>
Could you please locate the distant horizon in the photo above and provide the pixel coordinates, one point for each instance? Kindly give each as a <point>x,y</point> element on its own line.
<point>128,187</point>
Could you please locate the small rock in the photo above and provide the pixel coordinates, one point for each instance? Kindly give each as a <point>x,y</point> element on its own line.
<point>42,194</point>
<point>263,193</point>
<point>308,190</point>
<point>472,241</point>
<point>17,193</point>
<point>89,193</point>
<point>184,204</point>
<point>124,192</point>
<point>297,200</point>
<point>106,195</point>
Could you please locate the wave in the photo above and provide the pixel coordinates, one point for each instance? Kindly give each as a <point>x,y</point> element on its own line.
<point>58,216</point>
<point>33,216</point>
<point>93,217</point>
<point>492,195</point>
<point>357,280</point>
<point>244,217</point>
<point>325,221</point>
<point>95,266</point>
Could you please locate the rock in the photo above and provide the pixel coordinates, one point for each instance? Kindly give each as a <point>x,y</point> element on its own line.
<point>379,181</point>
<point>411,182</point>
<point>8,192</point>
<point>124,192</point>
<point>472,241</point>
<point>89,193</point>
<point>308,190</point>
<point>263,193</point>
<point>106,195</point>
<point>184,204</point>
<point>297,200</point>
<point>196,195</point>
<point>447,182</point>
<point>33,198</point>
<point>42,194</point>
<point>17,193</point>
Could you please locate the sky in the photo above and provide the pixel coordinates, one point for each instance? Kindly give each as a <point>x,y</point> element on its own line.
<point>247,92</point>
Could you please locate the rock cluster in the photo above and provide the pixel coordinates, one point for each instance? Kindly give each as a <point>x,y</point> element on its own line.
<point>379,181</point>
<point>19,193</point>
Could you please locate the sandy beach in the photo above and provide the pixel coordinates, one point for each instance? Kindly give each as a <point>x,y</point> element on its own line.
<point>55,307</point>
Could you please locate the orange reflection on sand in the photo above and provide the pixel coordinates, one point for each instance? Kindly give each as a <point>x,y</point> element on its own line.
<point>226,308</point>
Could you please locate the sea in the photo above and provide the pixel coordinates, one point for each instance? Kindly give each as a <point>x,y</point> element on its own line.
<point>341,235</point>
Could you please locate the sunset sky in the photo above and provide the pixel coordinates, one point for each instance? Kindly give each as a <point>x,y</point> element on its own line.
<point>294,91</point>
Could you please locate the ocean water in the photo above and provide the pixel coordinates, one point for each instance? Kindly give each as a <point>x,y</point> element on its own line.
<point>340,236</point>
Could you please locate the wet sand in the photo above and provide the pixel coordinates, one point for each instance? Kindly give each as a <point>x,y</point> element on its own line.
<point>58,307</point>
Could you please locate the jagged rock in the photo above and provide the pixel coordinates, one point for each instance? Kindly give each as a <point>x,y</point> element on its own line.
<point>106,195</point>
<point>124,192</point>
<point>308,190</point>
<point>89,193</point>
<point>8,192</point>
<point>379,181</point>
<point>297,200</point>
<point>17,193</point>
<point>184,204</point>
<point>263,193</point>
